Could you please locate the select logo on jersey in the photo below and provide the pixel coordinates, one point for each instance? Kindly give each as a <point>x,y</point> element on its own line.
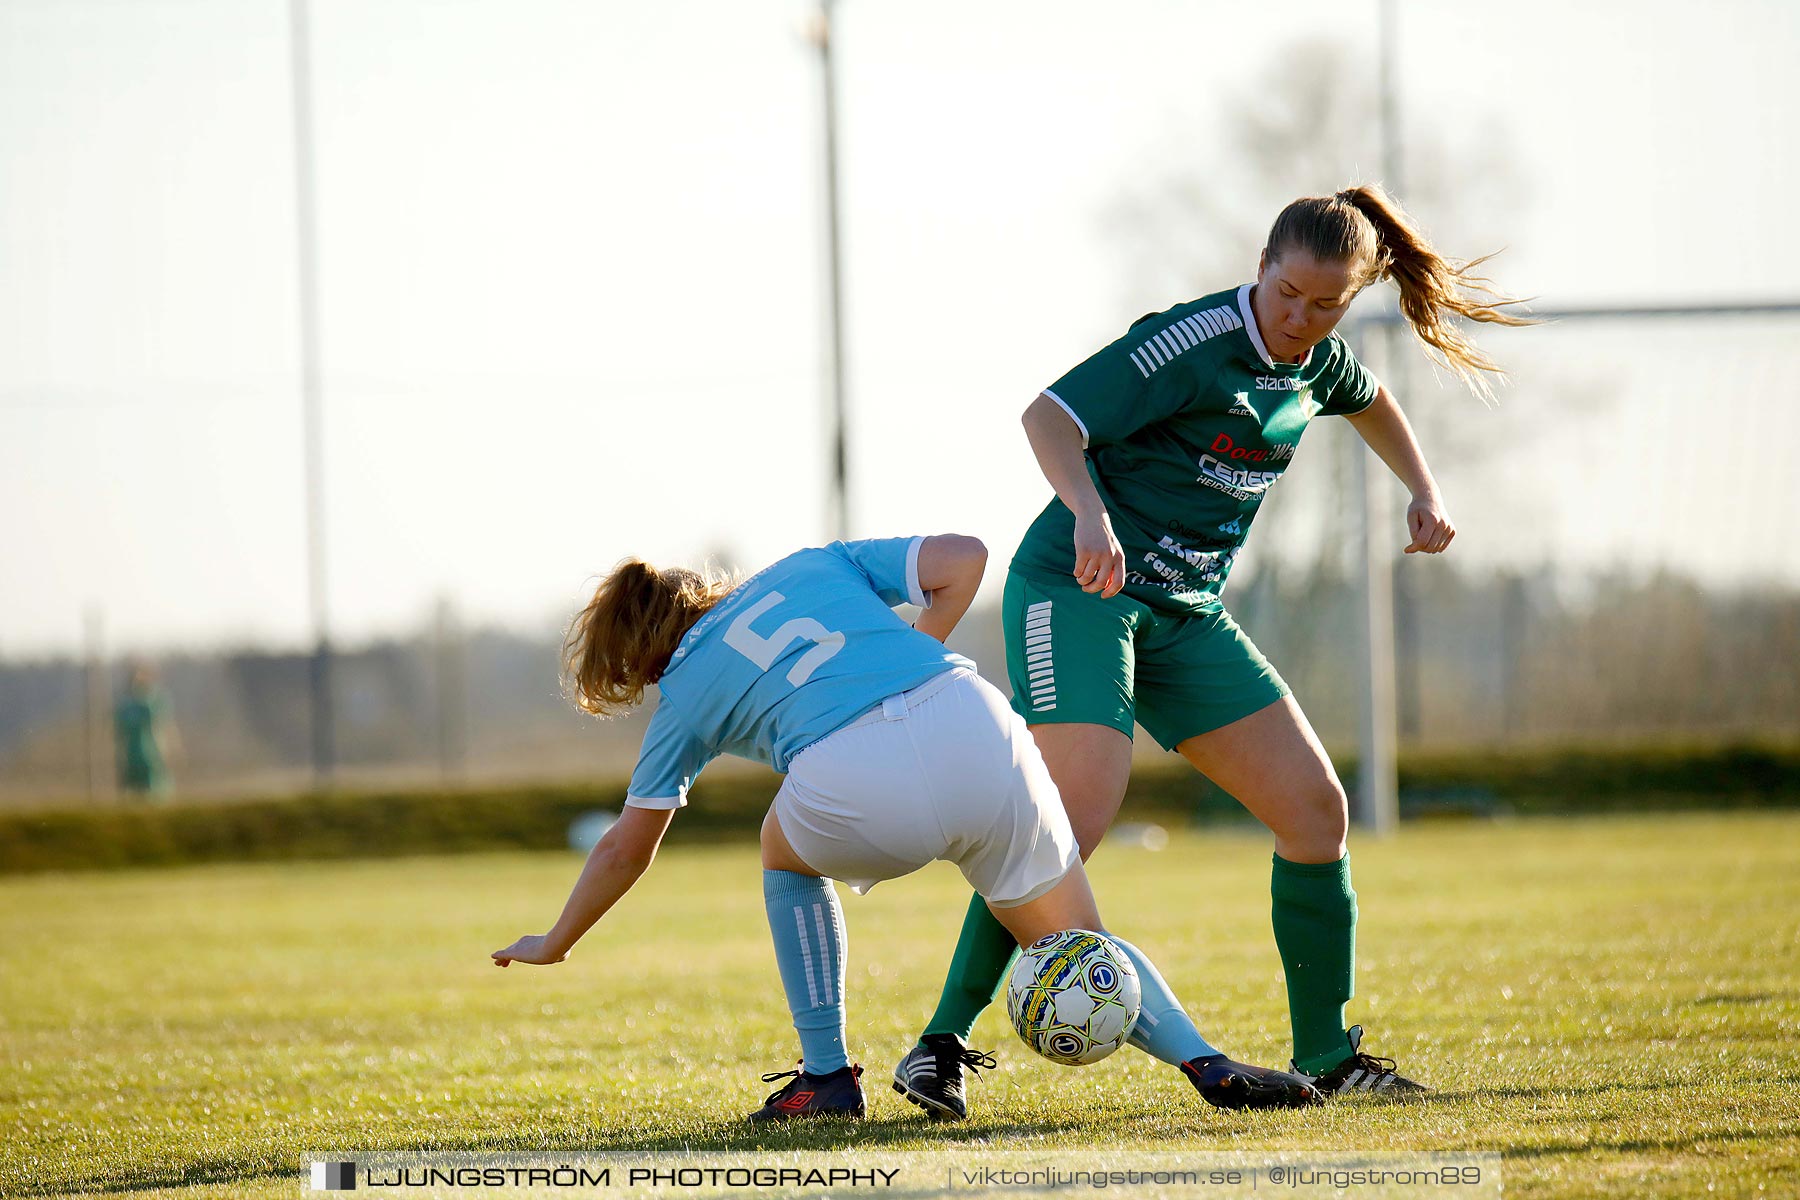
<point>1277,383</point>
<point>1238,484</point>
<point>1242,408</point>
<point>1224,446</point>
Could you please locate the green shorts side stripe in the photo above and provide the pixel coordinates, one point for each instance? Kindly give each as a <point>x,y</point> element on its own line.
<point>1073,658</point>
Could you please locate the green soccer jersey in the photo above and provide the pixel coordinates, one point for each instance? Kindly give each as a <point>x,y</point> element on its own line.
<point>135,720</point>
<point>1187,422</point>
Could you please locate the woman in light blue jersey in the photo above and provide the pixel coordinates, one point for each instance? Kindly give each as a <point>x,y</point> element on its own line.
<point>896,754</point>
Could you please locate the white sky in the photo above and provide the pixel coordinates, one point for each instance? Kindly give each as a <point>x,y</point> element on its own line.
<point>571,275</point>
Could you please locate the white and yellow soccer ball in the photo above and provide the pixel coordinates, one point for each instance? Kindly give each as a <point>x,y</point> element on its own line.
<point>1073,996</point>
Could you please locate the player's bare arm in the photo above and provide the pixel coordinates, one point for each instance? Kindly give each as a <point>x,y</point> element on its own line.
<point>618,860</point>
<point>1384,427</point>
<point>1056,441</point>
<point>950,570</point>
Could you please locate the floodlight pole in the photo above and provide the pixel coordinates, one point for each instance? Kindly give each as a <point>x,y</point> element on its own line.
<point>451,678</point>
<point>1376,805</point>
<point>1393,156</point>
<point>102,770</point>
<point>319,673</point>
<point>838,504</point>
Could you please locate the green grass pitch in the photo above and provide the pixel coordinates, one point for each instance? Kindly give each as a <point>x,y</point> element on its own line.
<point>1613,1004</point>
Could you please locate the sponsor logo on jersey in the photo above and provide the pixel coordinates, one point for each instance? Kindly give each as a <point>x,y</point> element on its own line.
<point>1242,408</point>
<point>1162,568</point>
<point>1211,565</point>
<point>1236,483</point>
<point>1278,383</point>
<point>1192,558</point>
<point>1181,336</point>
<point>1235,527</point>
<point>1224,446</point>
<point>1178,589</point>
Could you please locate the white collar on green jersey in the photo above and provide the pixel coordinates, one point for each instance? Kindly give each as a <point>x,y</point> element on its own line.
<point>1256,334</point>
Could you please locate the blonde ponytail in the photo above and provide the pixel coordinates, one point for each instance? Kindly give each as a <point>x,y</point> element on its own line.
<point>622,641</point>
<point>1367,227</point>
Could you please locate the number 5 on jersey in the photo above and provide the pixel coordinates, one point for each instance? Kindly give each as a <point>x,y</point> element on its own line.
<point>763,651</point>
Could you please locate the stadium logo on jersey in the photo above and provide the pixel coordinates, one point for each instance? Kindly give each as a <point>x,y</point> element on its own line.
<point>1242,408</point>
<point>1239,485</point>
<point>1182,336</point>
<point>1277,383</point>
<point>1224,446</point>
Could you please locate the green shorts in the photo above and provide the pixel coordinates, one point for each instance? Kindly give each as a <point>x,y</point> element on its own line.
<point>1072,657</point>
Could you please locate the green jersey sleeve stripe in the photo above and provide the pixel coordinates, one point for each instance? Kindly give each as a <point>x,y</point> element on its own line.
<point>1170,342</point>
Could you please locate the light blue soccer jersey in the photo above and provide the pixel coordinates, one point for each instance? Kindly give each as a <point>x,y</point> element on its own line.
<point>797,651</point>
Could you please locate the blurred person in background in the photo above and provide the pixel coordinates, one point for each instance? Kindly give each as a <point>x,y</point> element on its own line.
<point>896,754</point>
<point>146,736</point>
<point>1160,448</point>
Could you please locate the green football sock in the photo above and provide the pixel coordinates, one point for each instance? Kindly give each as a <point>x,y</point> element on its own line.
<point>1314,914</point>
<point>984,954</point>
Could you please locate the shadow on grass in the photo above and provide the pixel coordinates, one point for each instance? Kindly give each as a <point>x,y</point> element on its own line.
<point>1745,998</point>
<point>1552,1091</point>
<point>838,1135</point>
<point>1634,1145</point>
<point>714,1137</point>
<point>196,1174</point>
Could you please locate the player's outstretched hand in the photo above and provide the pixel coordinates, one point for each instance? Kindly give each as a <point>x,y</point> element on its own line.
<point>532,948</point>
<point>1099,559</point>
<point>1429,525</point>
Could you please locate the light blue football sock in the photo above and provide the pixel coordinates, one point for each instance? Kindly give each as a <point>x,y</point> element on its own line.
<point>808,924</point>
<point>1163,1030</point>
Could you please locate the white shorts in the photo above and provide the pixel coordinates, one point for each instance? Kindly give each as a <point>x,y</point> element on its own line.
<point>946,770</point>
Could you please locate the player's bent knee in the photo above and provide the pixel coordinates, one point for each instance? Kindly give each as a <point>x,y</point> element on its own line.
<point>1316,825</point>
<point>1068,905</point>
<point>777,853</point>
<point>1091,812</point>
<point>1089,833</point>
<point>1329,814</point>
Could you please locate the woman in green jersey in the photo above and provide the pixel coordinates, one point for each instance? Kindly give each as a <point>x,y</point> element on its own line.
<point>1160,448</point>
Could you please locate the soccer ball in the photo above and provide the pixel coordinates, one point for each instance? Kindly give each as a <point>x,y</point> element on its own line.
<point>1073,996</point>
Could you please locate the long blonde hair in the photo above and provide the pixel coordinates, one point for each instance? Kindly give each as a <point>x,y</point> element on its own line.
<point>621,642</point>
<point>1366,227</point>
